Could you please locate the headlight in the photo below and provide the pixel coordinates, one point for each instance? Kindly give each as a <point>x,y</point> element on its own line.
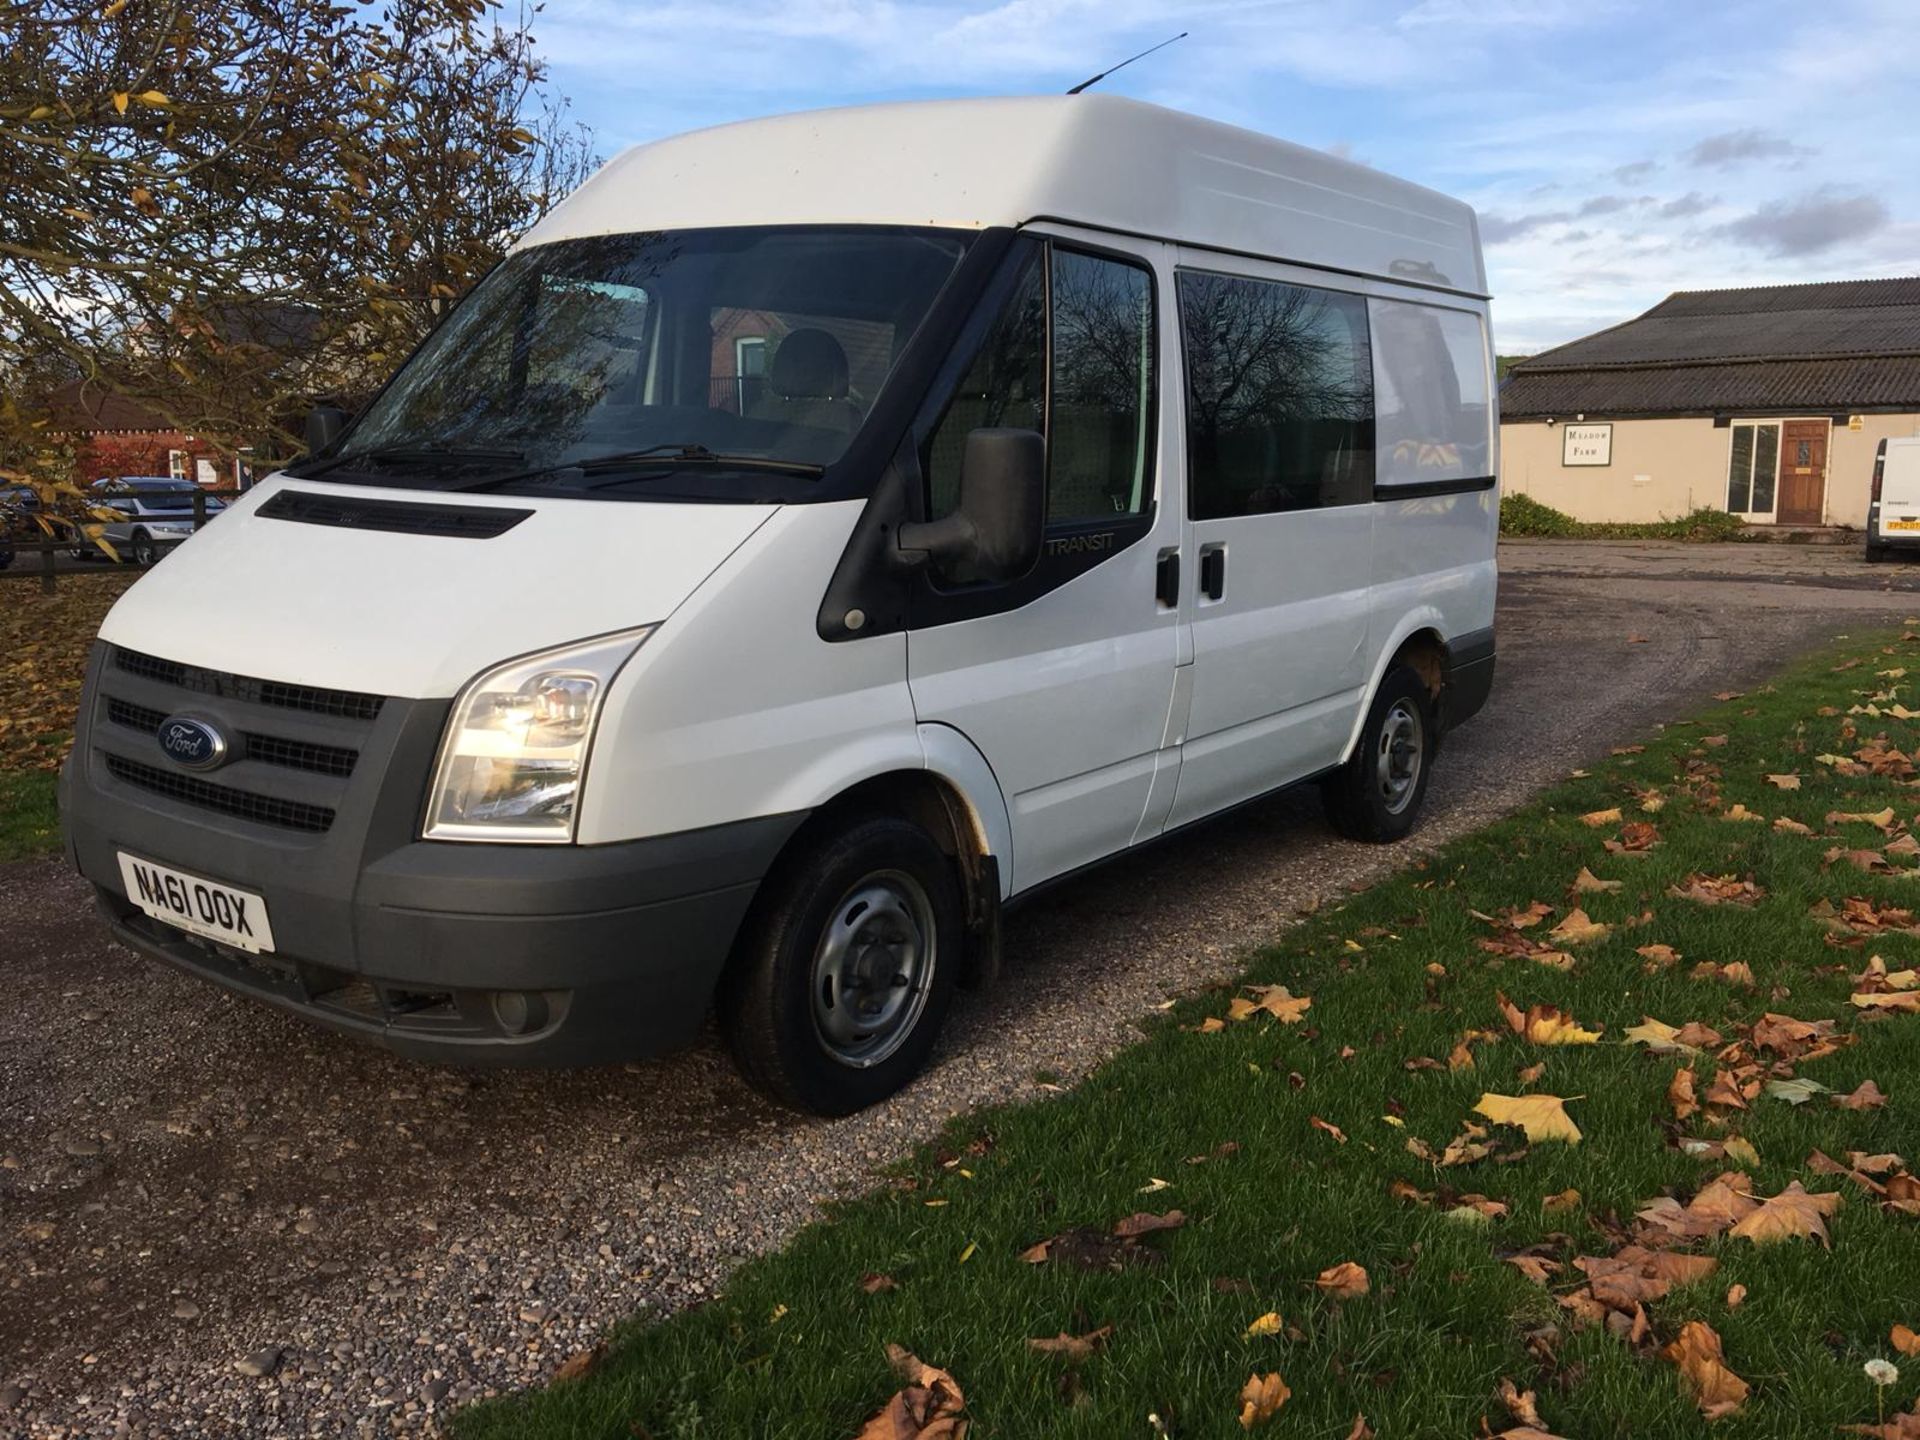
<point>516,745</point>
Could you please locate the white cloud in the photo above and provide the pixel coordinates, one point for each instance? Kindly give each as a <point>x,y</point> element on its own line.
<point>1654,128</point>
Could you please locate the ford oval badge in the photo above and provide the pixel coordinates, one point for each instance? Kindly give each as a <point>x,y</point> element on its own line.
<point>192,743</point>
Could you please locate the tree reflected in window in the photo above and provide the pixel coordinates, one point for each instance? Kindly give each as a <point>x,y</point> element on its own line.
<point>1279,396</point>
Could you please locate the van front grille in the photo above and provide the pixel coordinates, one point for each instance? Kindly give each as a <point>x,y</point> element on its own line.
<point>299,754</point>
<point>306,755</point>
<point>314,700</point>
<point>205,795</point>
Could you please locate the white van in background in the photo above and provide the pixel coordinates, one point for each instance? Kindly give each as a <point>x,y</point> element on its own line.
<point>818,533</point>
<point>1893,506</point>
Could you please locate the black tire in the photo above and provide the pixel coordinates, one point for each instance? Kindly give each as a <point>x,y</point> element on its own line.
<point>145,553</point>
<point>847,898</point>
<point>1877,554</point>
<point>1373,797</point>
<point>6,555</point>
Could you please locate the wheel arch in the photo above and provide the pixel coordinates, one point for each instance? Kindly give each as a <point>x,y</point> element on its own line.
<point>956,799</point>
<point>1420,640</point>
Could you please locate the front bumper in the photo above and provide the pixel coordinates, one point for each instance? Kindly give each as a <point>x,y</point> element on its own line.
<point>476,954</point>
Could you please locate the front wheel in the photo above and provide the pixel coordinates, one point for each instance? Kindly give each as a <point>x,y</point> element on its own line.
<point>146,554</point>
<point>1376,795</point>
<point>846,968</point>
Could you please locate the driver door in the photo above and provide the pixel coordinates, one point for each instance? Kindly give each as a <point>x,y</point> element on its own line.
<point>1064,679</point>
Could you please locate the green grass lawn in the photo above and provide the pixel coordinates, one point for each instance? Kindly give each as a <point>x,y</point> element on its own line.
<point>29,825</point>
<point>1396,976</point>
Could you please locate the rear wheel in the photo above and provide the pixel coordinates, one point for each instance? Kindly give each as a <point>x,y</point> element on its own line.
<point>846,968</point>
<point>1376,795</point>
<point>1877,554</point>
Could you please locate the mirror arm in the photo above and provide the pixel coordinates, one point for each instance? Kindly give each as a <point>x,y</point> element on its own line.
<point>919,543</point>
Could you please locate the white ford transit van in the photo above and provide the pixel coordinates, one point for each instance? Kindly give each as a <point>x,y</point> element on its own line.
<point>816,534</point>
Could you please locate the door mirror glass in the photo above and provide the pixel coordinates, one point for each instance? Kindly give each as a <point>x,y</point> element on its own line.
<point>324,425</point>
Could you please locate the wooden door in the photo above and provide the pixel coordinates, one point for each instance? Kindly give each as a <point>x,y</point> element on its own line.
<point>1803,472</point>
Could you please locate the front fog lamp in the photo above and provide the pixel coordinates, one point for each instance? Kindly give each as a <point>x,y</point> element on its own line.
<point>516,744</point>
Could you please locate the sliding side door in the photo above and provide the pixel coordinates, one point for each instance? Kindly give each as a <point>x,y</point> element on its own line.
<point>1279,454</point>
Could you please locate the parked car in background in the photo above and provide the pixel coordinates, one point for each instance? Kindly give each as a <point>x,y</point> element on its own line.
<point>1893,507</point>
<point>17,504</point>
<point>157,511</point>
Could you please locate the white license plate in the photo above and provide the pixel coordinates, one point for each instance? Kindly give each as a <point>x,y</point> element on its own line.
<point>204,907</point>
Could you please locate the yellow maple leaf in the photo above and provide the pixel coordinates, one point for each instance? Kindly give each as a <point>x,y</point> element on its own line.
<point>1578,928</point>
<point>1703,1366</point>
<point>1658,1036</point>
<point>1276,1000</point>
<point>1879,819</point>
<point>1543,1117</point>
<point>1545,1024</point>
<point>1793,1212</point>
<point>1267,1324</point>
<point>1908,1000</point>
<point>1345,1281</point>
<point>1261,1398</point>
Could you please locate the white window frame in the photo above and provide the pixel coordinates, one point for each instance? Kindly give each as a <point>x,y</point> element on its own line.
<point>179,464</point>
<point>741,344</point>
<point>1726,471</point>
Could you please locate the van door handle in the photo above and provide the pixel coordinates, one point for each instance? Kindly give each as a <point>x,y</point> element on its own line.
<point>1166,579</point>
<point>1213,571</point>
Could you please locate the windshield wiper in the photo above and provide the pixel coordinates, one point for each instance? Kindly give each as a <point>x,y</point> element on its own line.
<point>428,454</point>
<point>670,455</point>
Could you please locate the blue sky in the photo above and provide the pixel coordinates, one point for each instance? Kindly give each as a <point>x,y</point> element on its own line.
<point>1616,150</point>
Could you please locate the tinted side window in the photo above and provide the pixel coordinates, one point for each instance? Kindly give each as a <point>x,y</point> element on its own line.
<point>1430,393</point>
<point>1102,388</point>
<point>1006,385</point>
<point>1279,396</point>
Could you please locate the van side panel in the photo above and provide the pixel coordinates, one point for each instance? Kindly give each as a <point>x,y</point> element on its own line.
<point>1433,567</point>
<point>1436,510</point>
<point>737,708</point>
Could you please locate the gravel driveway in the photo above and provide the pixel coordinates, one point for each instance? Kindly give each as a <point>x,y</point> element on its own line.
<point>215,1220</point>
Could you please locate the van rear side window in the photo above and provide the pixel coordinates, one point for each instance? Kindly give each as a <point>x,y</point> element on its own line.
<point>1279,396</point>
<point>1430,393</point>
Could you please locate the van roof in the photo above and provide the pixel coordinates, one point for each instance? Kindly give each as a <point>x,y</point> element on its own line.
<point>1099,160</point>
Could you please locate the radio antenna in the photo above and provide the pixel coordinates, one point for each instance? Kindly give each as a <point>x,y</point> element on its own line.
<point>1084,84</point>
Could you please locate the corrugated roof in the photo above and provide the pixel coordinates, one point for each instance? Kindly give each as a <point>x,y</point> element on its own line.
<point>1849,344</point>
<point>82,407</point>
<point>1813,386</point>
<point>1824,295</point>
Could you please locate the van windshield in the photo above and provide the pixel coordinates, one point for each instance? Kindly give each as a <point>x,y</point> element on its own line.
<point>757,344</point>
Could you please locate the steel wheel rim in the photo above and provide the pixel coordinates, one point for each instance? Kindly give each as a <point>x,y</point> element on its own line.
<point>873,969</point>
<point>1398,755</point>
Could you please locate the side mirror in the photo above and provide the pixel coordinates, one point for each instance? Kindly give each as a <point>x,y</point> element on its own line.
<point>324,424</point>
<point>995,534</point>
